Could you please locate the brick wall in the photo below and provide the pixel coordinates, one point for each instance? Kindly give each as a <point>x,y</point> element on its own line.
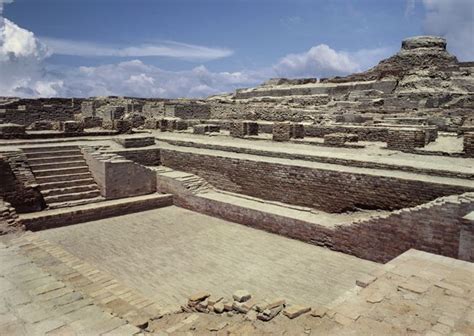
<point>433,227</point>
<point>31,110</point>
<point>187,110</point>
<point>330,191</point>
<point>406,139</point>
<point>468,144</point>
<point>8,218</point>
<point>18,185</point>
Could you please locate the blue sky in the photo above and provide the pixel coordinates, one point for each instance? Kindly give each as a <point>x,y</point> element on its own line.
<point>201,47</point>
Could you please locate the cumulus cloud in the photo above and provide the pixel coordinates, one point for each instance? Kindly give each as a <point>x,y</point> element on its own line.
<point>166,48</point>
<point>23,70</point>
<point>323,61</point>
<point>21,63</point>
<point>135,78</point>
<point>454,20</point>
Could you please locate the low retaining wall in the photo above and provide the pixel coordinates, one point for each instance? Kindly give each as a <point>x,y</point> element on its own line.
<point>69,216</point>
<point>436,227</point>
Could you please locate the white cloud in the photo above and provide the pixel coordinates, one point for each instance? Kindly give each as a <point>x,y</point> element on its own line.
<point>410,7</point>
<point>23,71</point>
<point>323,61</point>
<point>21,63</point>
<point>135,78</point>
<point>454,20</point>
<point>166,48</point>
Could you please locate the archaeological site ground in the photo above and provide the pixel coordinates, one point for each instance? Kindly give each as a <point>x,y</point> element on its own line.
<point>333,206</point>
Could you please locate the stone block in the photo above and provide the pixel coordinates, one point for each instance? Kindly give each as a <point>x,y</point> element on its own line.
<point>197,297</point>
<point>295,311</point>
<point>406,138</point>
<point>43,125</point>
<point>12,131</point>
<point>245,306</point>
<point>339,139</point>
<point>92,122</point>
<point>72,127</point>
<point>219,307</point>
<point>122,126</point>
<point>365,280</point>
<point>269,314</point>
<point>241,295</point>
<point>237,129</point>
<point>206,128</point>
<point>297,131</point>
<point>151,124</point>
<point>281,131</point>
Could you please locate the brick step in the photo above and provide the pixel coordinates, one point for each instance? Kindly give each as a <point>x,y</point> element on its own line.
<point>68,190</point>
<point>63,178</point>
<point>67,216</point>
<point>62,171</point>
<point>48,149</point>
<point>57,165</point>
<point>54,159</point>
<point>53,153</point>
<point>66,184</point>
<point>75,203</point>
<point>72,196</point>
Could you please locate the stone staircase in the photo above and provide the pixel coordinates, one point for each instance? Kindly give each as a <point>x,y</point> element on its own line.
<point>63,176</point>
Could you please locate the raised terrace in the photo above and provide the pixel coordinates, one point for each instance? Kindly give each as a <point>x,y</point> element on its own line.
<point>339,206</point>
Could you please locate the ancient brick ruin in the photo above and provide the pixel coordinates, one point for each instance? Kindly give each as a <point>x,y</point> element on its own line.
<point>377,165</point>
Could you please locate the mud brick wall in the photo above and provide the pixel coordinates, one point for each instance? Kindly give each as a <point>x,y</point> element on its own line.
<point>242,128</point>
<point>406,139</point>
<point>18,185</point>
<point>188,110</point>
<point>8,218</point>
<point>365,133</point>
<point>151,123</point>
<point>237,129</point>
<point>327,190</point>
<point>72,127</point>
<point>468,144</point>
<point>27,111</point>
<point>297,131</point>
<point>281,131</point>
<point>434,227</point>
<point>12,131</point>
<point>92,122</point>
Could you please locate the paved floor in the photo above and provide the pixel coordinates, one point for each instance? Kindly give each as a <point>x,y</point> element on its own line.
<point>33,302</point>
<point>170,253</point>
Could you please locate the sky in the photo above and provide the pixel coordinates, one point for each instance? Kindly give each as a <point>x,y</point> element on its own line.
<point>197,48</point>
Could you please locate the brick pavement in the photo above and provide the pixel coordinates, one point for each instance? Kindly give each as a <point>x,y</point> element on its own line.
<point>170,253</point>
<point>34,302</point>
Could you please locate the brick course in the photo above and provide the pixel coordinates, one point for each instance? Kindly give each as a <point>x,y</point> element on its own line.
<point>327,190</point>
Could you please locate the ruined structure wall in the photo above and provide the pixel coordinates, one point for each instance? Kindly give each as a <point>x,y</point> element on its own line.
<point>28,111</point>
<point>433,227</point>
<point>330,191</point>
<point>17,184</point>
